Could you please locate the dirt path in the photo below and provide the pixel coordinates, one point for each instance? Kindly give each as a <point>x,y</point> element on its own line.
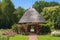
<point>32,37</point>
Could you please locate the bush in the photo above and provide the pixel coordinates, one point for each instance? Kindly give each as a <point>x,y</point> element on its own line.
<point>4,37</point>
<point>45,29</point>
<point>15,28</point>
<point>9,33</point>
<point>55,33</point>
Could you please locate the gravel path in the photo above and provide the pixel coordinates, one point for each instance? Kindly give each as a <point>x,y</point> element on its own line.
<point>32,37</point>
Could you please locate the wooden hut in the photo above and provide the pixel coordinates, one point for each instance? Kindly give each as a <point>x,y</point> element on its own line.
<point>32,18</point>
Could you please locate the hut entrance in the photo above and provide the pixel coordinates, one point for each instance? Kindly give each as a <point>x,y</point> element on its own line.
<point>34,29</point>
<point>31,28</point>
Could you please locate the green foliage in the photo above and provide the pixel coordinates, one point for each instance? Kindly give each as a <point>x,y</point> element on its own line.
<point>0,7</point>
<point>57,23</point>
<point>45,29</point>
<point>51,15</point>
<point>15,28</point>
<point>4,37</point>
<point>39,5</point>
<point>0,14</point>
<point>7,16</point>
<point>19,12</point>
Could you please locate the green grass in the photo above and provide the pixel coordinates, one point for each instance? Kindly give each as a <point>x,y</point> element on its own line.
<point>24,37</point>
<point>19,37</point>
<point>47,37</point>
<point>16,37</point>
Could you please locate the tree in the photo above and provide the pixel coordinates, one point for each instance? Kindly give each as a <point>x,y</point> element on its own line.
<point>52,16</point>
<point>7,13</point>
<point>39,5</point>
<point>19,12</point>
<point>57,21</point>
<point>0,10</point>
<point>0,14</point>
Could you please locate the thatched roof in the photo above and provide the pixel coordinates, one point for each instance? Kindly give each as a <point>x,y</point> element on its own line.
<point>31,16</point>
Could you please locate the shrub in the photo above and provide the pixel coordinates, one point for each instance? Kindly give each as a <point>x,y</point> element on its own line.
<point>45,29</point>
<point>55,33</point>
<point>4,37</point>
<point>10,33</point>
<point>15,28</point>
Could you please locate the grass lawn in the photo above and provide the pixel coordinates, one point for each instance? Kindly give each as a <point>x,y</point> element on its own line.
<point>16,37</point>
<point>47,37</point>
<point>19,37</point>
<point>24,37</point>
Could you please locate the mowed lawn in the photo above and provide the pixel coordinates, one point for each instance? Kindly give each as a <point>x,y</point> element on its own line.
<point>47,37</point>
<point>19,37</point>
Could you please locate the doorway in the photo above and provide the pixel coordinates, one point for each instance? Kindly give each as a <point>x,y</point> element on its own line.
<point>33,29</point>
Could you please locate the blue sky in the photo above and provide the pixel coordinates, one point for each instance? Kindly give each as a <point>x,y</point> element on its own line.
<point>27,3</point>
<point>23,3</point>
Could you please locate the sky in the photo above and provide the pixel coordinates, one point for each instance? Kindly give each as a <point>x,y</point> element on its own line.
<point>23,3</point>
<point>27,3</point>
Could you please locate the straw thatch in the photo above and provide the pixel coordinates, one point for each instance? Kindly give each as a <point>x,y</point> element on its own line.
<point>31,16</point>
